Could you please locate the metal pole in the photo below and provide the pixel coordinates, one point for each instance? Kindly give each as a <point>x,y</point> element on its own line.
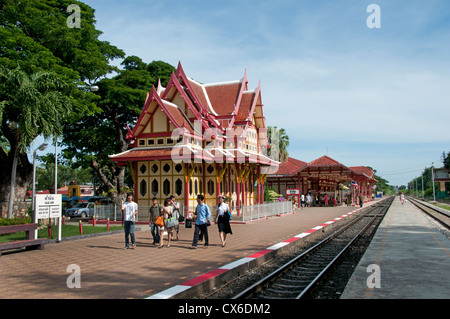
<point>56,185</point>
<point>33,209</point>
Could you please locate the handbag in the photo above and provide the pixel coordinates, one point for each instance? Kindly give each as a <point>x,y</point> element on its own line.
<point>171,222</point>
<point>188,223</point>
<point>181,218</point>
<point>159,221</point>
<point>208,223</point>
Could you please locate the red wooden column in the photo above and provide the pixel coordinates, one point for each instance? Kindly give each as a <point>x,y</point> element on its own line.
<point>238,190</point>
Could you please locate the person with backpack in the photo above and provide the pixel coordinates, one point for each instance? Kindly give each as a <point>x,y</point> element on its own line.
<point>170,221</point>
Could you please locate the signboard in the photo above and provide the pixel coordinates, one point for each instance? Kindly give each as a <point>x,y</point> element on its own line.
<point>441,174</point>
<point>48,206</point>
<point>292,191</point>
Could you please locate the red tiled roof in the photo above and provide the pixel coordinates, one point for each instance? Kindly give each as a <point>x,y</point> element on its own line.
<point>362,170</point>
<point>290,167</point>
<point>324,161</point>
<point>223,97</point>
<point>245,106</point>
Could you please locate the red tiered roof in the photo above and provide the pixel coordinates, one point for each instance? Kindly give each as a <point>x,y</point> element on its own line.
<point>221,106</point>
<point>290,167</point>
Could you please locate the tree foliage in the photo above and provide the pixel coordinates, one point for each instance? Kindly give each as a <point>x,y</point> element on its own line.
<point>44,64</point>
<point>89,139</point>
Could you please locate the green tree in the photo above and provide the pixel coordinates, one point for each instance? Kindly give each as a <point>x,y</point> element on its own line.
<point>447,160</point>
<point>35,36</point>
<point>31,105</point>
<point>45,173</point>
<point>382,184</point>
<point>103,133</point>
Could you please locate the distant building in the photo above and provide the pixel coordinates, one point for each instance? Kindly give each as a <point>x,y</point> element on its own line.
<point>322,176</point>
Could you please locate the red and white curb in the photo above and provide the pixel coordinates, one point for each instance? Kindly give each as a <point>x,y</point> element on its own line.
<point>168,293</point>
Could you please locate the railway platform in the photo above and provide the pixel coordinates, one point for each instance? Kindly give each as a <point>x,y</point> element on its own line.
<point>408,258</point>
<point>107,271</point>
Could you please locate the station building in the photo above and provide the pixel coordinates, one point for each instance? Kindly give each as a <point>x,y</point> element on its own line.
<point>323,175</point>
<point>193,138</point>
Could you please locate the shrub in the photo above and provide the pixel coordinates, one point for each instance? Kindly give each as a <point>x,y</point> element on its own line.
<point>15,221</point>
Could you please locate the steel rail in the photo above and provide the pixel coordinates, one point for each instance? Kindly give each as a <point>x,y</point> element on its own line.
<point>258,286</point>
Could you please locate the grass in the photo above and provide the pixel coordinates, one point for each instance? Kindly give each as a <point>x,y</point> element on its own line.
<point>443,206</point>
<point>66,231</point>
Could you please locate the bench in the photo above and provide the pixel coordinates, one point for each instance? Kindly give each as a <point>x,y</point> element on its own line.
<point>28,243</point>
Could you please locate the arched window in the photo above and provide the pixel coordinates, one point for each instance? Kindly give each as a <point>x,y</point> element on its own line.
<point>210,185</point>
<point>166,187</point>
<point>178,187</point>
<point>155,187</point>
<point>143,188</point>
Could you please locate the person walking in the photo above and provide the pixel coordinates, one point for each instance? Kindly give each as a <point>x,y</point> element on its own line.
<point>169,222</point>
<point>176,210</point>
<point>303,200</point>
<point>201,228</point>
<point>129,209</point>
<point>223,220</point>
<point>361,200</point>
<point>402,198</point>
<point>326,199</point>
<point>154,211</point>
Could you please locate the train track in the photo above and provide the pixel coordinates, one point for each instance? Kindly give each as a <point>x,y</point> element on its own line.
<point>440,215</point>
<point>296,278</point>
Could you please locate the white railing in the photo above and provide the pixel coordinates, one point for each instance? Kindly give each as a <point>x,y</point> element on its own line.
<point>258,211</point>
<point>243,213</point>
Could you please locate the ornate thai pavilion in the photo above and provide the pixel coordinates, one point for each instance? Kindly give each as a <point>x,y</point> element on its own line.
<point>193,138</point>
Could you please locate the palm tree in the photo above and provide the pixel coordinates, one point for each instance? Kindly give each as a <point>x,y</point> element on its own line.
<point>279,142</point>
<point>30,105</point>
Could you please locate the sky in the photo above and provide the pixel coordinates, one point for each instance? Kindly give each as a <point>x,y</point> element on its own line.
<point>376,97</point>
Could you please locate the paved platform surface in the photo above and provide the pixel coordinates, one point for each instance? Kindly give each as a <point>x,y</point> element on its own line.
<point>108,271</point>
<point>411,258</point>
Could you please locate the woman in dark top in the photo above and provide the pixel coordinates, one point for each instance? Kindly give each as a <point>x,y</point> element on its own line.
<point>223,220</point>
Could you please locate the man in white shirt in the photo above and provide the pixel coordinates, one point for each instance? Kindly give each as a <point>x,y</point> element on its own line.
<point>129,210</point>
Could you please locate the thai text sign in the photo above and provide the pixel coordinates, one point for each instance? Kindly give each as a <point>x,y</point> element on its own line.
<point>48,206</point>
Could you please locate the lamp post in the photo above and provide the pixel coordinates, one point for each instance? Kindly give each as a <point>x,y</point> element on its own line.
<point>34,216</point>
